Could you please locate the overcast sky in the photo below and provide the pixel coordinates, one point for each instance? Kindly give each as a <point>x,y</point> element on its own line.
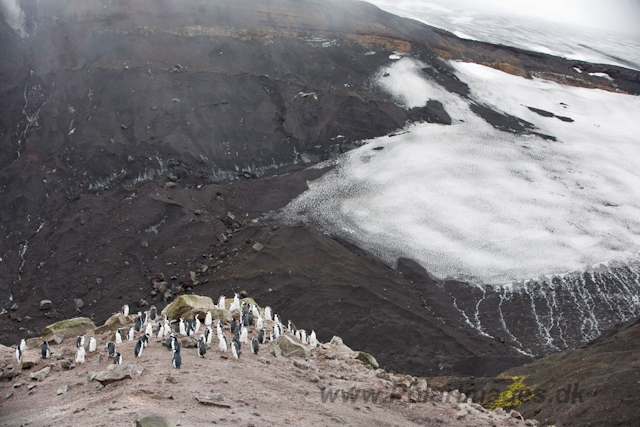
<point>619,15</point>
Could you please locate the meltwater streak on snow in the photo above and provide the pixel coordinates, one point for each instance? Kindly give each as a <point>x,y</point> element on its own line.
<point>468,201</point>
<point>14,16</point>
<point>591,45</point>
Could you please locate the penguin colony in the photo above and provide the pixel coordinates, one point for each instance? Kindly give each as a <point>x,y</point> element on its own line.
<point>246,319</point>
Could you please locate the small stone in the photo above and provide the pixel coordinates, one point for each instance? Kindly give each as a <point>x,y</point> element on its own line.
<point>78,303</point>
<point>395,394</point>
<point>31,386</point>
<point>461,414</point>
<point>144,244</point>
<point>257,247</point>
<point>123,127</point>
<point>154,421</point>
<point>18,384</point>
<point>198,212</point>
<point>45,304</point>
<point>515,414</point>
<point>40,375</point>
<point>8,396</point>
<point>62,389</point>
<point>170,184</point>
<point>301,364</point>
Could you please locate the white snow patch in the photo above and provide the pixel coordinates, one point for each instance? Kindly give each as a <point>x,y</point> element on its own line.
<point>602,75</point>
<point>472,202</point>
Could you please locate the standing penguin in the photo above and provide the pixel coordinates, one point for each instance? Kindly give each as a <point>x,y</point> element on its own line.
<point>92,344</point>
<point>234,325</point>
<point>149,329</point>
<point>168,343</point>
<point>202,346</point>
<point>254,345</point>
<point>268,314</point>
<point>313,342</point>
<point>222,303</point>
<point>111,348</point>
<point>236,339</point>
<point>125,310</point>
<point>259,323</point>
<point>131,334</point>
<point>176,361</point>
<point>19,354</point>
<point>23,345</point>
<point>276,319</point>
<point>250,318</point>
<point>145,339</point>
<point>153,312</point>
<point>219,329</point>
<point>137,351</point>
<point>183,327</point>
<point>223,344</point>
<point>138,324</point>
<point>196,324</point>
<point>175,344</point>
<point>118,336</point>
<point>208,334</point>
<point>80,355</point>
<point>80,341</point>
<point>207,319</point>
<point>262,339</point>
<point>291,327</point>
<point>45,352</point>
<point>244,335</point>
<point>160,330</point>
<point>117,359</point>
<point>235,350</point>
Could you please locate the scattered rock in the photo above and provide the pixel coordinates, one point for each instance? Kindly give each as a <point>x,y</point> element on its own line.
<point>258,247</point>
<point>301,364</point>
<point>154,421</point>
<point>112,324</point>
<point>288,346</point>
<point>461,414</point>
<point>18,384</point>
<point>11,373</point>
<point>186,306</point>
<point>78,303</point>
<point>115,373</point>
<point>8,396</point>
<point>130,158</point>
<point>41,374</point>
<point>45,304</point>
<point>395,394</point>
<point>62,389</point>
<point>69,328</point>
<point>66,365</point>
<point>188,342</point>
<point>170,184</point>
<point>144,244</point>
<point>31,387</point>
<point>212,402</point>
<point>368,359</point>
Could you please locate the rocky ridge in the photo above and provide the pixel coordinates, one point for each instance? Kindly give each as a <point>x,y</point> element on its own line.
<point>331,385</point>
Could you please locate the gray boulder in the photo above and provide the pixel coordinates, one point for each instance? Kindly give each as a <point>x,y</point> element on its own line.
<point>115,373</point>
